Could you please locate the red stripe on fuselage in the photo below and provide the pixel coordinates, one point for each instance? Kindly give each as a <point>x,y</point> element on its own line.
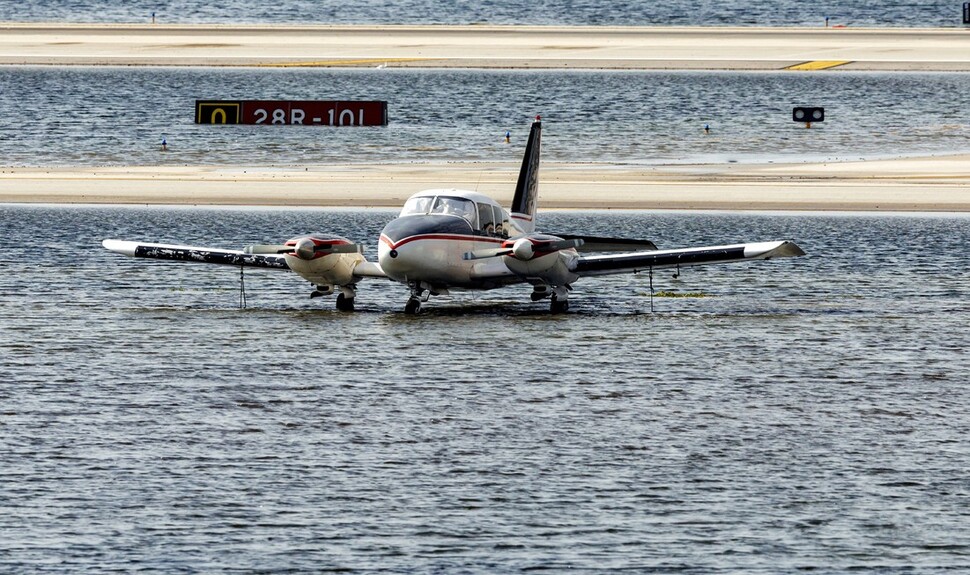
<point>452,237</point>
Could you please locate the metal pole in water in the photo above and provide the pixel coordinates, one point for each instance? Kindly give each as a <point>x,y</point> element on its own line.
<point>242,287</point>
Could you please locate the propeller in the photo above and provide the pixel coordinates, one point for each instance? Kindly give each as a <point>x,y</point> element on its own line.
<point>304,248</point>
<point>266,249</point>
<point>523,249</point>
<point>487,253</point>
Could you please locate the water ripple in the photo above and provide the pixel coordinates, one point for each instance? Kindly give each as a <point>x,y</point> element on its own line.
<point>813,417</point>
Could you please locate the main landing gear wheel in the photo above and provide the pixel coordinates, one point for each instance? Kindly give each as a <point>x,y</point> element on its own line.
<point>559,305</point>
<point>344,303</point>
<point>413,306</point>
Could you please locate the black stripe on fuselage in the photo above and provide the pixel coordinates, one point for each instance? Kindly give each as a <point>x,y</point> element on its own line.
<point>211,257</point>
<point>648,260</point>
<point>411,226</point>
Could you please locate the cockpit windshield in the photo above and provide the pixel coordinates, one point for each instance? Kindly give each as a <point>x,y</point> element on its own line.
<point>419,205</point>
<point>440,205</point>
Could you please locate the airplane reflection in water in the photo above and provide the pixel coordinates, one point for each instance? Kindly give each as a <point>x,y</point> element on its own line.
<point>455,239</point>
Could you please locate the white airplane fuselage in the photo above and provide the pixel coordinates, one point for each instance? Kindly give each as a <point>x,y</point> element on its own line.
<point>423,246</point>
<point>433,257</point>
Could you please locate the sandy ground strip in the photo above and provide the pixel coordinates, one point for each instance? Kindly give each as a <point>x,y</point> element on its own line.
<point>912,184</point>
<point>485,46</point>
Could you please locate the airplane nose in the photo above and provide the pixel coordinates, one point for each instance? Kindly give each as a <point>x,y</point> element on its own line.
<point>394,265</point>
<point>403,249</point>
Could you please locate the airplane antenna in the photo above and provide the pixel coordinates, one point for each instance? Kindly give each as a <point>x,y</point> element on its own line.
<point>242,287</point>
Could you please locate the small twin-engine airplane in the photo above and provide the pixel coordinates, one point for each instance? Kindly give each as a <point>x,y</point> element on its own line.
<point>455,239</point>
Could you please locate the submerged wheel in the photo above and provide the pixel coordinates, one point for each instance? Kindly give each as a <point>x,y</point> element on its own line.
<point>558,305</point>
<point>344,303</point>
<point>413,306</point>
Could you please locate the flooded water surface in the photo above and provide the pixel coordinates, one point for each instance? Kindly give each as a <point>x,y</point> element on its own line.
<point>804,414</point>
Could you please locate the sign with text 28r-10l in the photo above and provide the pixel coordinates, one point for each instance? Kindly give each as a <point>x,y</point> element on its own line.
<point>292,112</point>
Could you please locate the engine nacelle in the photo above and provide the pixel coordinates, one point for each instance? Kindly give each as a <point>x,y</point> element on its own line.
<point>532,258</point>
<point>323,260</point>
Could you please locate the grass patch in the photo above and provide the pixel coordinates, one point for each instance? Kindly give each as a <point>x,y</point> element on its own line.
<point>691,294</point>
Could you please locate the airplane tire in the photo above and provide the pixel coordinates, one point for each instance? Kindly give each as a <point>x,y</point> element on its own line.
<point>559,306</point>
<point>344,303</point>
<point>412,307</point>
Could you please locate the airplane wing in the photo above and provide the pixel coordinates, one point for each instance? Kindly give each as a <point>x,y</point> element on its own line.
<point>366,269</point>
<point>195,254</point>
<point>632,262</point>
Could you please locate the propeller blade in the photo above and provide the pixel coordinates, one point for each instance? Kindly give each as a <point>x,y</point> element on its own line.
<point>488,253</point>
<point>267,249</point>
<point>526,251</point>
<point>340,248</point>
<point>321,249</point>
<point>307,249</point>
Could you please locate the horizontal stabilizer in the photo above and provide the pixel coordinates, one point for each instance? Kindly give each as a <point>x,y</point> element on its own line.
<point>599,244</point>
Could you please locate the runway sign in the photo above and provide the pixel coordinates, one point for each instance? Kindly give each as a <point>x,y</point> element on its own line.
<point>804,114</point>
<point>292,112</point>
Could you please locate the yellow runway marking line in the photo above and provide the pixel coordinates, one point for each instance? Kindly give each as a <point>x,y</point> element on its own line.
<point>345,62</point>
<point>819,65</point>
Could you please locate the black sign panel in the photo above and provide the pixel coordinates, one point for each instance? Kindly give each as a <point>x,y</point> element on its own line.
<point>292,112</point>
<point>805,114</point>
<point>218,111</point>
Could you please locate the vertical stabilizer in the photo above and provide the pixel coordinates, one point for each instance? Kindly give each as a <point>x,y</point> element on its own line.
<point>527,188</point>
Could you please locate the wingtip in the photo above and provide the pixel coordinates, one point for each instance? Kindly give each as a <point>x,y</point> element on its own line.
<point>120,246</point>
<point>794,249</point>
<point>778,249</point>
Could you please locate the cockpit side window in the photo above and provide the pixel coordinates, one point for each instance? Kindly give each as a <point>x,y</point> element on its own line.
<point>501,227</point>
<point>486,219</point>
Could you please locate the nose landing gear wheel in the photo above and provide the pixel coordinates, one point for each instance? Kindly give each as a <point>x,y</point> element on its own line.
<point>413,306</point>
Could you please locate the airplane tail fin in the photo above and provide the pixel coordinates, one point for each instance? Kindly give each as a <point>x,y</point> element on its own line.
<point>527,188</point>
